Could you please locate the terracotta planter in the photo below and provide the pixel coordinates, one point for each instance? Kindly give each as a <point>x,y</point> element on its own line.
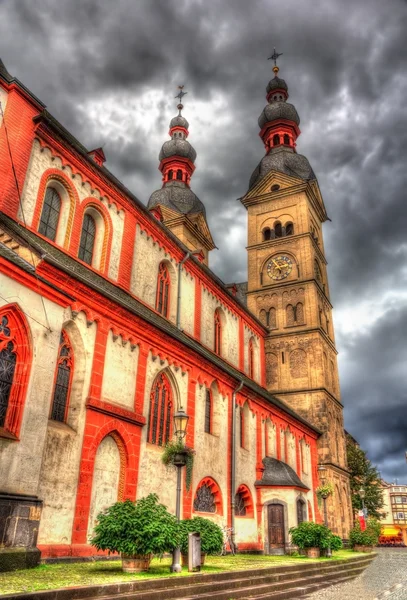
<point>360,548</point>
<point>313,552</point>
<point>135,563</point>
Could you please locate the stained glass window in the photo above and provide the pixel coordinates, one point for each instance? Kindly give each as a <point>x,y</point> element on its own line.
<point>204,500</point>
<point>160,417</point>
<point>50,214</point>
<point>87,239</point>
<point>63,380</point>
<point>7,367</point>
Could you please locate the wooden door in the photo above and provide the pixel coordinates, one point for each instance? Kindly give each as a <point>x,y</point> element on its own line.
<point>276,526</point>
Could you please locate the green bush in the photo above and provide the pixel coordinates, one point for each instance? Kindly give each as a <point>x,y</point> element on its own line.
<point>142,527</point>
<point>368,537</point>
<point>335,542</point>
<point>211,535</point>
<point>313,535</point>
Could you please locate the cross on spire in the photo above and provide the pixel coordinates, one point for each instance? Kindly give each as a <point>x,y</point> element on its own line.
<point>180,95</point>
<point>274,57</point>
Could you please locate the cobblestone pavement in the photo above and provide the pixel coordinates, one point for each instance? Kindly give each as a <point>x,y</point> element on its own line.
<point>384,579</point>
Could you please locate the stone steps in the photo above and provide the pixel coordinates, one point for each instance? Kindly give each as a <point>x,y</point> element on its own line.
<point>276,582</point>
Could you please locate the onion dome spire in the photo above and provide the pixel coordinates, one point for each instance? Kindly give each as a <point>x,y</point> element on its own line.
<point>279,130</point>
<point>177,158</point>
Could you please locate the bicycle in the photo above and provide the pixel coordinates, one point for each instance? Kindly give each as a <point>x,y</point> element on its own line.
<point>228,541</point>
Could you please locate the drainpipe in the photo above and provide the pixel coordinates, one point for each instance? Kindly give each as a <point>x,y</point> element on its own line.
<point>233,462</point>
<point>187,255</point>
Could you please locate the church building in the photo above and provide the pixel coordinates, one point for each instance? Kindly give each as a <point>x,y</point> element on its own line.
<point>111,320</point>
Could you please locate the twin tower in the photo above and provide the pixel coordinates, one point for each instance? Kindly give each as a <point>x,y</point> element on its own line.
<point>287,285</point>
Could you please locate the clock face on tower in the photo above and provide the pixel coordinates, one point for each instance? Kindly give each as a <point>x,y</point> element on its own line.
<point>279,267</point>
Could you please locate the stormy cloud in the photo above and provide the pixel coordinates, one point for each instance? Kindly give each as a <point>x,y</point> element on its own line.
<point>109,70</point>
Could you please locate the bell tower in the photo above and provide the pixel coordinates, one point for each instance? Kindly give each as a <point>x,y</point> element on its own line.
<point>288,288</point>
<point>175,203</point>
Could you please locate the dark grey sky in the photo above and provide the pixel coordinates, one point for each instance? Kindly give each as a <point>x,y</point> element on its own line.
<point>109,70</point>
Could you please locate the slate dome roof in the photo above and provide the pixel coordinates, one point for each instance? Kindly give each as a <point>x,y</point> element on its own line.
<point>176,195</point>
<point>284,160</point>
<point>177,147</point>
<point>276,84</point>
<point>279,473</point>
<point>278,110</point>
<point>179,121</point>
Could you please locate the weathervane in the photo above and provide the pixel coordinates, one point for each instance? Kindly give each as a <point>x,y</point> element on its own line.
<point>180,95</point>
<point>274,57</point>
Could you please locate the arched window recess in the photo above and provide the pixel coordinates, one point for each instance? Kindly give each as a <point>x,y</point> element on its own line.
<point>217,332</point>
<point>63,380</point>
<point>50,214</point>
<point>161,412</point>
<point>163,291</point>
<point>87,242</point>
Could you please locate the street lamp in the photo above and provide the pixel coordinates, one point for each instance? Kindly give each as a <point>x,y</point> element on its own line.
<point>324,496</point>
<point>180,429</point>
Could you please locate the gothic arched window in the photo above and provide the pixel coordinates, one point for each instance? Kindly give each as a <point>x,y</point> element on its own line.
<point>162,303</point>
<point>160,417</point>
<point>278,229</point>
<point>286,139</point>
<point>50,214</point>
<point>217,333</point>
<point>87,243</point>
<point>276,139</point>
<point>208,411</point>
<point>179,174</point>
<point>15,364</point>
<point>8,359</point>
<point>63,380</point>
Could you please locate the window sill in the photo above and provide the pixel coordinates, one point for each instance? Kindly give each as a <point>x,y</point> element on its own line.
<point>8,435</point>
<point>60,425</point>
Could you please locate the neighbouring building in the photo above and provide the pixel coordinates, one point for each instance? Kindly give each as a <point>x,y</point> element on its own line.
<point>110,320</point>
<point>394,528</point>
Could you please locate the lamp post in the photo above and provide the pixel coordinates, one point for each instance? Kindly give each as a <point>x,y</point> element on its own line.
<point>180,430</point>
<point>324,496</point>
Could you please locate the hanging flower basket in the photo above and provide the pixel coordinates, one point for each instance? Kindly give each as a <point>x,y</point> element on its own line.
<point>325,490</point>
<point>176,454</point>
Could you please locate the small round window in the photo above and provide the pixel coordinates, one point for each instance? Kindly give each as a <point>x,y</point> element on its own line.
<point>275,187</point>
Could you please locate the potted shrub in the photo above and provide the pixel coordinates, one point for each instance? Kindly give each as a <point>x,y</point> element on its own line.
<point>177,454</point>
<point>211,536</point>
<point>311,537</point>
<point>363,541</point>
<point>136,530</point>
